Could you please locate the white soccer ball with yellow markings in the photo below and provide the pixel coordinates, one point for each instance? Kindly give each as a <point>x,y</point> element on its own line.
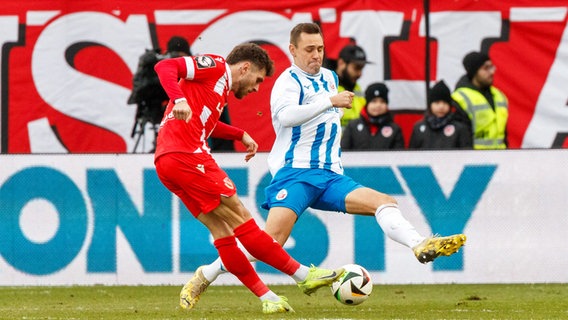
<point>354,286</point>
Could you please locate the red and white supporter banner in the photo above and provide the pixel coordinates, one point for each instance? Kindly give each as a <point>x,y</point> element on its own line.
<point>66,66</point>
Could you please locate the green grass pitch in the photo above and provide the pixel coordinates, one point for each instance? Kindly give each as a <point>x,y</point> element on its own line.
<point>448,301</point>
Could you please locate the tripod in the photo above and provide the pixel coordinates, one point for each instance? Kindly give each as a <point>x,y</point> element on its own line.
<point>145,115</point>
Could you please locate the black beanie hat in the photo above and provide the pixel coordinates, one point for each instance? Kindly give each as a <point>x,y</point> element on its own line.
<point>375,90</point>
<point>177,43</point>
<point>353,53</point>
<point>473,61</point>
<point>440,92</point>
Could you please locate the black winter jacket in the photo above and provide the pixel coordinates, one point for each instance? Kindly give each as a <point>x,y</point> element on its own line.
<point>435,133</point>
<point>360,134</point>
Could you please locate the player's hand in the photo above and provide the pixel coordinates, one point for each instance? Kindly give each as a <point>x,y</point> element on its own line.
<point>251,146</point>
<point>182,111</point>
<point>344,99</point>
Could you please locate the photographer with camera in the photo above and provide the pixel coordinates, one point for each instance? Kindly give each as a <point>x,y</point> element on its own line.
<point>147,92</point>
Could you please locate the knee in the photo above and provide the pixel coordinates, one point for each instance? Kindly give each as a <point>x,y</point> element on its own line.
<point>366,201</point>
<point>220,231</point>
<point>243,213</point>
<point>278,235</point>
<point>386,199</point>
<point>235,214</point>
<point>383,200</point>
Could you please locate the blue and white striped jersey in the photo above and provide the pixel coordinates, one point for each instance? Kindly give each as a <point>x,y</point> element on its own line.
<point>307,126</point>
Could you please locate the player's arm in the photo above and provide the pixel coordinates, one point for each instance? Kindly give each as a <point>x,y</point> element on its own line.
<point>169,72</point>
<point>228,132</point>
<point>285,103</point>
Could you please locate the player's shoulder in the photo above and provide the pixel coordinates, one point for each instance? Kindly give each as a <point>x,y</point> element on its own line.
<point>206,61</point>
<point>294,72</point>
<point>327,71</point>
<point>287,76</point>
<point>330,75</point>
<point>289,72</point>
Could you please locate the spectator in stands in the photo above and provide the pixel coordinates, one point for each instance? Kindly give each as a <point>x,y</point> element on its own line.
<point>350,64</point>
<point>485,105</point>
<point>375,128</point>
<point>439,129</point>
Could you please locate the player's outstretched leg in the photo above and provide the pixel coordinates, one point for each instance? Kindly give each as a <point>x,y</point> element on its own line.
<point>237,263</point>
<point>433,247</point>
<point>201,280</point>
<point>318,278</point>
<point>280,306</point>
<point>190,293</point>
<point>260,245</point>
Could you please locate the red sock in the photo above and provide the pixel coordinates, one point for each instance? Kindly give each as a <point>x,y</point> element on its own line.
<point>264,248</point>
<point>237,263</point>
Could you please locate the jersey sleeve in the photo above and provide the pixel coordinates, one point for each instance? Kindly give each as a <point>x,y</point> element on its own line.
<point>205,68</point>
<point>226,131</point>
<point>195,68</point>
<point>169,72</point>
<point>286,103</point>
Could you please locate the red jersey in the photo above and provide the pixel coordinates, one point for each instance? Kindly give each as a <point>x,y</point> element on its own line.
<point>205,81</point>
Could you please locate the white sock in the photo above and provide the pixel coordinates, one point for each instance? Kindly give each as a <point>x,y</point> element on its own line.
<point>213,270</point>
<point>271,296</point>
<point>396,227</point>
<point>301,274</point>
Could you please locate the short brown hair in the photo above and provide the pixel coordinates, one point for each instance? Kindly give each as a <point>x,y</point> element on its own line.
<point>308,27</point>
<point>254,53</point>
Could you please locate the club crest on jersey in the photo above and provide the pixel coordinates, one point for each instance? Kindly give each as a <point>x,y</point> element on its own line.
<point>228,183</point>
<point>282,194</point>
<point>204,62</point>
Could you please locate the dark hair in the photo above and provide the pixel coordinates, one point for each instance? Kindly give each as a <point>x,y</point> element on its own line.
<point>473,61</point>
<point>308,27</point>
<point>254,53</point>
<point>178,44</point>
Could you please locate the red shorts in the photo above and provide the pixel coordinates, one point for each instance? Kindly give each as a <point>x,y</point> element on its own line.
<point>196,179</point>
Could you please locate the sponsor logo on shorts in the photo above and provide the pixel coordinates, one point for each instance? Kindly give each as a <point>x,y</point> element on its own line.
<point>204,62</point>
<point>282,194</point>
<point>228,183</point>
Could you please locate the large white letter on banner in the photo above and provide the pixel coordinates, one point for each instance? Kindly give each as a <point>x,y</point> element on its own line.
<point>221,36</point>
<point>551,113</point>
<point>370,28</point>
<point>8,33</point>
<point>456,41</point>
<point>52,74</point>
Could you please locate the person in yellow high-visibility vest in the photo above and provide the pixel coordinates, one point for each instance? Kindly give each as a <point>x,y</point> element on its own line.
<point>486,106</point>
<point>352,59</point>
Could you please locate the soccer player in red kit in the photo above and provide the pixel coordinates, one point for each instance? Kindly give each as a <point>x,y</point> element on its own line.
<point>185,166</point>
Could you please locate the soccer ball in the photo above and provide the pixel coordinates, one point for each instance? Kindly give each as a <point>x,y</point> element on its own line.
<point>354,286</point>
